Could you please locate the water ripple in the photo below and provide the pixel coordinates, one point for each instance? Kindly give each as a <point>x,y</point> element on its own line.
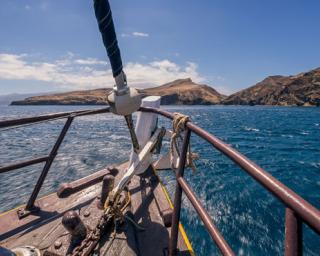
<point>284,141</point>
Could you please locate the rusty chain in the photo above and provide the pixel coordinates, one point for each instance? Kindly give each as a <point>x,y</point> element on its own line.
<point>113,213</point>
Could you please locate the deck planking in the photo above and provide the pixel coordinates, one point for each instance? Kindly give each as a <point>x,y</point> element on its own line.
<point>44,228</point>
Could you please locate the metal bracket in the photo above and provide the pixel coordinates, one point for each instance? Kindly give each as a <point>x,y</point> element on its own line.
<point>142,156</point>
<point>23,212</point>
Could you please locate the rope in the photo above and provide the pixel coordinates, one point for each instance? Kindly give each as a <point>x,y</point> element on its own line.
<point>178,126</point>
<point>113,211</point>
<point>118,214</point>
<point>135,224</point>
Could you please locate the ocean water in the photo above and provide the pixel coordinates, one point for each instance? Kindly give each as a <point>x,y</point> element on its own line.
<point>285,141</point>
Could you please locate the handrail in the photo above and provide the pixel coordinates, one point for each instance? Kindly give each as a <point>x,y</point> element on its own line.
<point>297,208</point>
<point>205,217</point>
<point>182,185</point>
<point>22,164</point>
<point>51,116</point>
<point>30,207</point>
<point>46,168</point>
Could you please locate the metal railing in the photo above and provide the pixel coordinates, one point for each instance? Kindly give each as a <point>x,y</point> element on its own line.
<point>297,209</point>
<point>30,206</point>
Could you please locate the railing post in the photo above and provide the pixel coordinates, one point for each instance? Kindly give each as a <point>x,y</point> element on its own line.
<point>178,194</point>
<point>293,234</point>
<point>52,155</point>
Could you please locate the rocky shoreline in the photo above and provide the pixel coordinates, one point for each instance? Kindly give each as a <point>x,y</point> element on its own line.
<point>299,90</point>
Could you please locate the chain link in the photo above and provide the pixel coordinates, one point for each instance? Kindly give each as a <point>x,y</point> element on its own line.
<point>113,213</point>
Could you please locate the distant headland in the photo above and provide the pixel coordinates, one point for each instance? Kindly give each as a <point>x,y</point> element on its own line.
<point>299,90</point>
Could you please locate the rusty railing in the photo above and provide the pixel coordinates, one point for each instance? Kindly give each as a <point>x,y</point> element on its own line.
<point>297,209</point>
<point>6,124</point>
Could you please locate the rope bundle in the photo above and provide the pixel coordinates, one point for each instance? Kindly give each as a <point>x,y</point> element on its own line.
<point>178,126</point>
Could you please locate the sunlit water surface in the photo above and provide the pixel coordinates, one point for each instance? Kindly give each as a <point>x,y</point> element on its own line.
<point>283,140</point>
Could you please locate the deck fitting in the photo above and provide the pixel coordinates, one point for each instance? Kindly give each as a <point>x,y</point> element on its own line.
<point>107,186</point>
<point>57,244</point>
<point>72,222</point>
<point>86,213</point>
<point>23,212</point>
<point>64,190</point>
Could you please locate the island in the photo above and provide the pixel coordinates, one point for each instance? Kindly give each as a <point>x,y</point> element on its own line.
<point>178,92</point>
<point>302,89</point>
<point>299,90</point>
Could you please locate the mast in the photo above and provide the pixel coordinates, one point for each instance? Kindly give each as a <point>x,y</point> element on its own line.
<point>123,100</point>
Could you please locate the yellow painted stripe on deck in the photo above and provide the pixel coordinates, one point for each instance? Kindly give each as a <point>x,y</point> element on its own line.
<point>23,205</point>
<point>182,231</point>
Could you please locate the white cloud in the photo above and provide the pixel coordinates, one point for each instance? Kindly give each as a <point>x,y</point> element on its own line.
<point>140,34</point>
<point>160,72</point>
<point>90,61</point>
<point>74,73</point>
<point>135,34</point>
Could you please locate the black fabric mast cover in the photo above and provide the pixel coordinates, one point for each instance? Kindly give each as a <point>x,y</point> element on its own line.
<point>106,27</point>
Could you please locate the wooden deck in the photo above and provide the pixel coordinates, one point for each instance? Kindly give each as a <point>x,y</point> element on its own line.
<point>149,202</point>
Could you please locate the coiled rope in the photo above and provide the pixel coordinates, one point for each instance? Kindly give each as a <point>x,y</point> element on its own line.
<point>178,126</point>
<point>118,216</point>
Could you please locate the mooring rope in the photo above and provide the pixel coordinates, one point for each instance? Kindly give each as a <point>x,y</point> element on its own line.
<point>178,126</point>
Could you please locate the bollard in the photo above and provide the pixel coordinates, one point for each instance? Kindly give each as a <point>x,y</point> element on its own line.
<point>107,186</point>
<point>72,222</point>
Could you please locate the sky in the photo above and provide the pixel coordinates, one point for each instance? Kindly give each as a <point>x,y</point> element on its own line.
<point>55,45</point>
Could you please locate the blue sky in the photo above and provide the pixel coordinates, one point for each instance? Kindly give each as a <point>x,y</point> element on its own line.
<point>54,45</point>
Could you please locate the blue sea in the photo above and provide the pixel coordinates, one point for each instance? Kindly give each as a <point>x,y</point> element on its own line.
<point>285,141</point>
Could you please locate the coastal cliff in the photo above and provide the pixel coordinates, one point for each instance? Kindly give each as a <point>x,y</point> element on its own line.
<point>299,90</point>
<point>87,97</point>
<point>185,92</point>
<point>178,92</point>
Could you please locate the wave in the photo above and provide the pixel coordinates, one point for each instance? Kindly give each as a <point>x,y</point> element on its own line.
<point>250,129</point>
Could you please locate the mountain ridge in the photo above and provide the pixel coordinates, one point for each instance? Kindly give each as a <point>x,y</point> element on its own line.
<point>302,89</point>
<point>178,92</point>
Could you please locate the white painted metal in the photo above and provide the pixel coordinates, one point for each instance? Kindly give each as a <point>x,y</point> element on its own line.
<point>140,161</point>
<point>145,125</point>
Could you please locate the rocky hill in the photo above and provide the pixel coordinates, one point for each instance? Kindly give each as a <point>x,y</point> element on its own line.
<point>183,91</point>
<point>299,90</point>
<point>87,97</point>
